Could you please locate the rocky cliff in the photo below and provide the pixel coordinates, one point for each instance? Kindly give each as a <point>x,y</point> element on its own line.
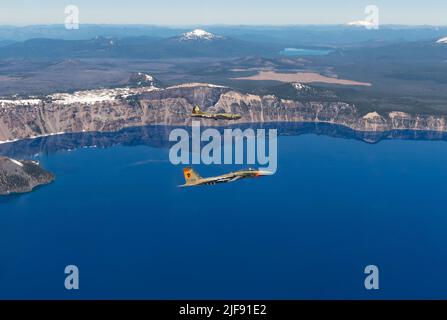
<point>21,176</point>
<point>115,109</point>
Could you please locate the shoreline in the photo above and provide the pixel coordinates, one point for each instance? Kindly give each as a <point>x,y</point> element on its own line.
<point>231,125</point>
<point>36,137</point>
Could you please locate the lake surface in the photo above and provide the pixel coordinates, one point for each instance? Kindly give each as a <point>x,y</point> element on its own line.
<point>297,52</point>
<point>336,205</point>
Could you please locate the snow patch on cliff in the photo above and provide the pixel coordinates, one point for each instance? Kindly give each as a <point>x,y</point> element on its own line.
<point>300,86</point>
<point>97,96</point>
<point>396,114</point>
<point>87,96</point>
<point>372,115</point>
<point>34,137</point>
<point>196,84</point>
<point>16,162</point>
<point>146,76</point>
<point>19,102</point>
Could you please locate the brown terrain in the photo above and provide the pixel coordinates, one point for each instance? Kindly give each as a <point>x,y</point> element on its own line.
<point>301,77</point>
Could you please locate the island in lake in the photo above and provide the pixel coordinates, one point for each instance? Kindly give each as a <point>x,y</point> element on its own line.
<point>21,176</point>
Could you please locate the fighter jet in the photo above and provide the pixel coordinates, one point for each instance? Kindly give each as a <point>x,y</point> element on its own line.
<point>197,113</point>
<point>194,180</point>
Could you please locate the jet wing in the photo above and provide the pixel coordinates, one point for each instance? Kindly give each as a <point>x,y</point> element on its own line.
<point>223,179</point>
<point>228,179</point>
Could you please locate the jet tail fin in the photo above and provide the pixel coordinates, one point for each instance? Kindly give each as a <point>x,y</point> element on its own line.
<point>196,110</point>
<point>191,177</point>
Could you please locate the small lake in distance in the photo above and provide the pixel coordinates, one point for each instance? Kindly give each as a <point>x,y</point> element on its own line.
<point>297,52</point>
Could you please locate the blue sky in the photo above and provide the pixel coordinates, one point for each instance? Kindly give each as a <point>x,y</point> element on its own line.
<point>200,12</point>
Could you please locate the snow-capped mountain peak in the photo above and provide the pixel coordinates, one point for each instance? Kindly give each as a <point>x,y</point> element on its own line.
<point>141,79</point>
<point>442,40</point>
<point>199,34</point>
<point>361,23</point>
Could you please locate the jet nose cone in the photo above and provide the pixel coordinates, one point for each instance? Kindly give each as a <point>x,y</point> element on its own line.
<point>264,173</point>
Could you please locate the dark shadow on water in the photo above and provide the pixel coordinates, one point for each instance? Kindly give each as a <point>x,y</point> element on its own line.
<point>15,196</point>
<point>158,137</point>
<point>9,198</point>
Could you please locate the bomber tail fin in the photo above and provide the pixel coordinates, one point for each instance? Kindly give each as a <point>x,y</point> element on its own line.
<point>191,177</point>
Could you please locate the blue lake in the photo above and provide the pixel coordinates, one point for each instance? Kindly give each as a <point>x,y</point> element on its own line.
<point>336,205</point>
<point>297,52</point>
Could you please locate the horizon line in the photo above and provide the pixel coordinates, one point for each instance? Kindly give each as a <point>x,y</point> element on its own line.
<point>222,25</point>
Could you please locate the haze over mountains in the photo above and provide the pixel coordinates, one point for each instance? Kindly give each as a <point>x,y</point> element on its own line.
<point>305,34</point>
<point>197,43</point>
<point>157,43</point>
<point>405,67</point>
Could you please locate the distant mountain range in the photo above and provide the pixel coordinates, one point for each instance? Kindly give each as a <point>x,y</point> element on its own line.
<point>197,43</point>
<point>285,35</point>
<point>408,51</point>
<point>202,43</point>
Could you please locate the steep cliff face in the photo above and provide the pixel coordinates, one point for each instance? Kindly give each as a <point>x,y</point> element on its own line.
<point>112,110</point>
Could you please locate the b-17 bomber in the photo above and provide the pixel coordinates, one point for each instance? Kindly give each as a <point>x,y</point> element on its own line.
<point>198,113</point>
